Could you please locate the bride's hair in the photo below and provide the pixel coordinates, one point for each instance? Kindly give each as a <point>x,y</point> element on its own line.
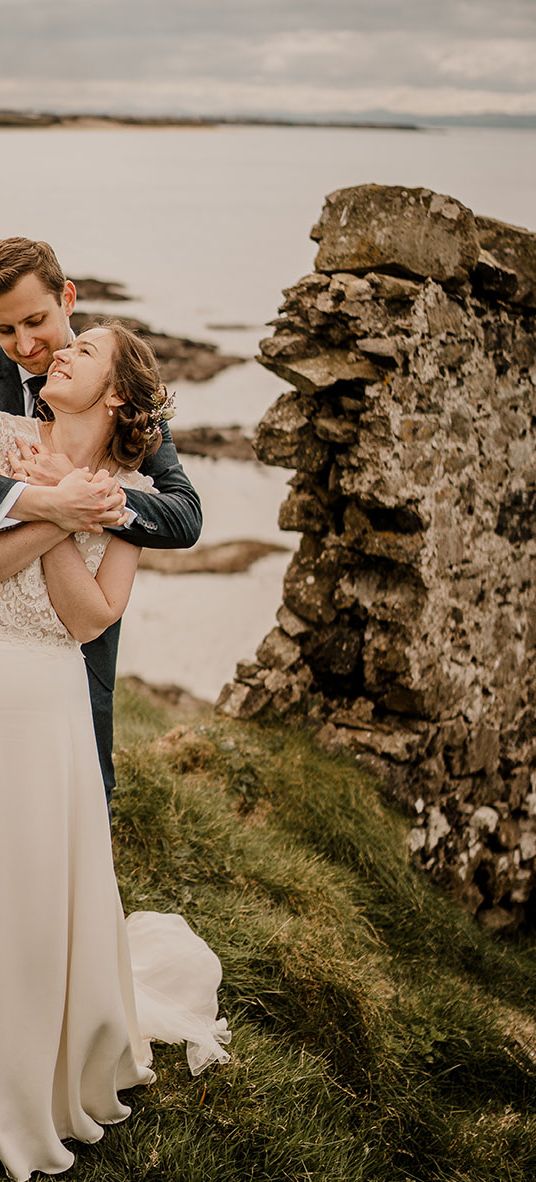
<point>136,379</point>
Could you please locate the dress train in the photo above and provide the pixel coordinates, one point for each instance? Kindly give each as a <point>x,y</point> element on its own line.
<point>82,992</point>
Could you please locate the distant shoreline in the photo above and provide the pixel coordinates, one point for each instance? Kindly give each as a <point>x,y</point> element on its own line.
<point>378,121</point>
<point>45,119</point>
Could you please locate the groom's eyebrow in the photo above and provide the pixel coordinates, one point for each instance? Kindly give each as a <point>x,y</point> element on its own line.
<point>33,316</point>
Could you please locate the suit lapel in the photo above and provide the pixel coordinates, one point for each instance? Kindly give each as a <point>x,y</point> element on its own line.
<point>11,394</point>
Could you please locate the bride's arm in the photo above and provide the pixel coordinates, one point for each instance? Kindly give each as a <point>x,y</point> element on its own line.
<point>87,605</point>
<point>20,545</point>
<point>52,506</point>
<point>79,501</point>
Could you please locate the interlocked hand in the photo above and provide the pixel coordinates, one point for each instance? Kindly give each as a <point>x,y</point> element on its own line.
<point>86,502</point>
<point>37,464</point>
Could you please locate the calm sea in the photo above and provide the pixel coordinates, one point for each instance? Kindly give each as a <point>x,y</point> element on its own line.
<point>205,228</point>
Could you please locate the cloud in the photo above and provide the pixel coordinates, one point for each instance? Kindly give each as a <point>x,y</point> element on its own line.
<point>238,56</point>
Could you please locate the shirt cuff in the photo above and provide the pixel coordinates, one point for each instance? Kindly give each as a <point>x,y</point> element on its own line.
<point>132,515</point>
<point>7,503</point>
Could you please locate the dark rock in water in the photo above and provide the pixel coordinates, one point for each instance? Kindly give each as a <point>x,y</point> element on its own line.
<point>101,289</point>
<point>407,631</point>
<point>217,443</point>
<point>231,327</point>
<point>180,359</point>
<point>222,558</point>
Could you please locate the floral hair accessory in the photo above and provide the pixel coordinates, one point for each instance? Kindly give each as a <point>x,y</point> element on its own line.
<point>163,406</point>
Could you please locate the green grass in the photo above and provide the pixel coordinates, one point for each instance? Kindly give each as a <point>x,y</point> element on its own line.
<point>378,1034</point>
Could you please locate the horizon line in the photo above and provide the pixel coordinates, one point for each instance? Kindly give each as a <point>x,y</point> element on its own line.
<point>375,118</point>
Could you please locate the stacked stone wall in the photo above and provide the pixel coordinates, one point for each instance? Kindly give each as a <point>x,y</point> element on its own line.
<point>407,631</point>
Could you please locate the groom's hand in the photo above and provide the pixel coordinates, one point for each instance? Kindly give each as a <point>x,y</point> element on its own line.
<point>38,465</point>
<point>80,501</point>
<point>89,502</point>
<point>114,512</point>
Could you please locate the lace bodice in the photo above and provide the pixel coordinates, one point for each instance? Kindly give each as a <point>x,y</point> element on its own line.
<point>26,613</point>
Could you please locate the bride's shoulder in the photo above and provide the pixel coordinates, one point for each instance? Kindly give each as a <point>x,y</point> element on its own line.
<point>17,425</point>
<point>8,425</point>
<point>8,431</point>
<point>136,480</point>
<point>8,420</point>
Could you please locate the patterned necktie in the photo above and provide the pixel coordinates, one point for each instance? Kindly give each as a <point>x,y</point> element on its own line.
<point>35,385</point>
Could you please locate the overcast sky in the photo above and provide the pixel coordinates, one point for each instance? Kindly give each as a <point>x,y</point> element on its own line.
<point>321,57</point>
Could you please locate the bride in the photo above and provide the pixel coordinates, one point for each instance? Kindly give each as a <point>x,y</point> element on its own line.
<point>81,990</point>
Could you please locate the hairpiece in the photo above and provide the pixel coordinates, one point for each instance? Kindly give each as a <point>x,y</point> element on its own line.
<point>162,407</point>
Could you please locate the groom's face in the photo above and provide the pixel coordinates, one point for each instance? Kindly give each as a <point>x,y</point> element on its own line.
<point>33,324</point>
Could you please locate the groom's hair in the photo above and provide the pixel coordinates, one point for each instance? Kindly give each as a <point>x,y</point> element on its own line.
<point>23,256</point>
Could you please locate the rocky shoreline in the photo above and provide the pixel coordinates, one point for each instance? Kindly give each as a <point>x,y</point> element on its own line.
<point>222,558</point>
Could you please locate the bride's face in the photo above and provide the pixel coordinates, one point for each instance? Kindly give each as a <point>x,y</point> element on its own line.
<point>80,374</point>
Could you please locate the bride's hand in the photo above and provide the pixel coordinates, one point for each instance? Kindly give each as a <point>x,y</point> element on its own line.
<point>37,465</point>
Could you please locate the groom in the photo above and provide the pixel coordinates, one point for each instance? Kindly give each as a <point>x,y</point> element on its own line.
<point>36,302</point>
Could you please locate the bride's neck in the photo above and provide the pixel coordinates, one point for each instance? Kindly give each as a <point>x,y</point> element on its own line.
<point>81,440</point>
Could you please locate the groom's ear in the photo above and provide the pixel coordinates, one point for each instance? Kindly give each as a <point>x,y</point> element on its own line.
<point>68,298</point>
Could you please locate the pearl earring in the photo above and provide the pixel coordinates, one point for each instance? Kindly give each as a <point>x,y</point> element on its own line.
<point>110,412</point>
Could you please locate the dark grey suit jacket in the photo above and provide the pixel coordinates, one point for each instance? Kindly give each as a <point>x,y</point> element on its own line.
<point>169,521</point>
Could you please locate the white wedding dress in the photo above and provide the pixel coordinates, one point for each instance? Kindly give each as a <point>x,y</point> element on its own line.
<point>81,990</point>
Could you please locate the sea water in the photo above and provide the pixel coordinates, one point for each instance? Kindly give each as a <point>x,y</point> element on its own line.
<point>205,227</point>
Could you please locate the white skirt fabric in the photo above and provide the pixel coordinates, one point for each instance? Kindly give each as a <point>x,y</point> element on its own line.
<point>81,991</point>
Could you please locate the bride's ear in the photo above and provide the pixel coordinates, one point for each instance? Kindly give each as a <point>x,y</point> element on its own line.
<point>114,399</point>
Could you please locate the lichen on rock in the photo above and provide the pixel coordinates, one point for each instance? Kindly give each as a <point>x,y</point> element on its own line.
<point>408,609</point>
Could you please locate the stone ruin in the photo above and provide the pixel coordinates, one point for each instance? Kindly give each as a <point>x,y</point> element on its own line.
<point>407,631</point>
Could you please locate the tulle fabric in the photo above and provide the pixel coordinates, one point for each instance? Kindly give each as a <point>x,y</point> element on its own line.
<point>81,991</point>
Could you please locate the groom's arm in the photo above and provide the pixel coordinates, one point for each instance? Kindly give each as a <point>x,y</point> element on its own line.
<point>79,501</point>
<point>172,520</point>
<point>9,492</point>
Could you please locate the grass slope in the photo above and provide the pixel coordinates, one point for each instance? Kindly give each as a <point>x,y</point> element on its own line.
<point>378,1034</point>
